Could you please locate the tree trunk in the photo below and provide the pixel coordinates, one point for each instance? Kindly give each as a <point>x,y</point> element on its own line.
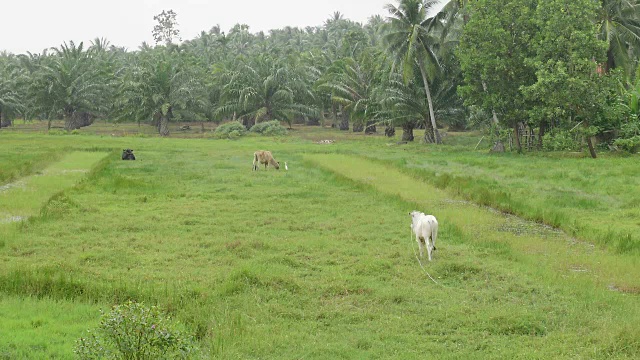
<point>611,63</point>
<point>334,115</point>
<point>78,119</point>
<point>428,132</point>
<point>86,119</point>
<point>407,131</point>
<point>4,121</point>
<point>390,131</point>
<point>344,124</point>
<point>498,145</point>
<point>589,139</point>
<point>313,121</point>
<point>72,121</point>
<point>370,128</point>
<point>541,133</point>
<point>516,137</point>
<point>358,127</point>
<point>163,125</point>
<point>592,150</point>
<point>432,116</point>
<point>248,123</point>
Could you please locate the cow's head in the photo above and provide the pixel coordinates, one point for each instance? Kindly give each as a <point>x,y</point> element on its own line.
<point>415,214</point>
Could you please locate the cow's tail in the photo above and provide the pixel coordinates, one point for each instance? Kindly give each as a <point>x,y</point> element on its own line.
<point>434,233</point>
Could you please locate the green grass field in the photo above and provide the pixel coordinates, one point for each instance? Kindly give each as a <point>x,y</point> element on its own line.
<point>316,262</point>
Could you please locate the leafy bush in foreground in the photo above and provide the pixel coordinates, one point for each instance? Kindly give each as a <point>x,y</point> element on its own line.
<point>133,331</point>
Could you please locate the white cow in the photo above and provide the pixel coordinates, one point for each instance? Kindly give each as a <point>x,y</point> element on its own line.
<point>426,229</point>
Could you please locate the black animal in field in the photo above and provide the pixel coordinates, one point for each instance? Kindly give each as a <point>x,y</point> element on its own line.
<point>127,154</point>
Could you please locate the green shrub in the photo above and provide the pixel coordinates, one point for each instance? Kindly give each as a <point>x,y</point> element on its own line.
<point>230,130</point>
<point>133,331</point>
<point>270,128</point>
<point>235,134</point>
<point>630,145</point>
<point>629,137</point>
<point>561,140</point>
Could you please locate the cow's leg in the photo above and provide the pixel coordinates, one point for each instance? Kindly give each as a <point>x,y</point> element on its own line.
<point>429,247</point>
<point>420,244</point>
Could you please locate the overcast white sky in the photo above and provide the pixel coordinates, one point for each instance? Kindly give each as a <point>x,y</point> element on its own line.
<point>34,25</point>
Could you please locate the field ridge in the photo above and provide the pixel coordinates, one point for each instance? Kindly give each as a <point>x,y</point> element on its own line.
<point>25,197</point>
<point>535,241</point>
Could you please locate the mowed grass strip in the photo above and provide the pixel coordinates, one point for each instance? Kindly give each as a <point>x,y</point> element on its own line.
<point>539,244</point>
<point>596,200</point>
<point>25,196</point>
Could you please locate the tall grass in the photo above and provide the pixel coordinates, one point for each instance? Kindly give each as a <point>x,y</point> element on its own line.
<point>314,262</point>
<point>590,200</point>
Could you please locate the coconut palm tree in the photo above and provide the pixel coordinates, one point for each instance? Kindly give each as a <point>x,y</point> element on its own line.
<point>619,26</point>
<point>410,42</point>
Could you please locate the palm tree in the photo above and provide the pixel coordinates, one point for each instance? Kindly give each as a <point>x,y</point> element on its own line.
<point>404,105</point>
<point>352,84</point>
<point>410,42</point>
<point>258,89</point>
<point>68,83</point>
<point>240,38</point>
<point>619,25</point>
<point>10,100</point>
<point>302,77</point>
<point>452,9</point>
<point>374,28</point>
<point>157,87</point>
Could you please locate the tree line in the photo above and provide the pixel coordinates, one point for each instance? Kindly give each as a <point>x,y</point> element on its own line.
<point>558,70</point>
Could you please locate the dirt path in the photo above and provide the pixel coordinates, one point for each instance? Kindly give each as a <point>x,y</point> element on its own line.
<point>543,247</point>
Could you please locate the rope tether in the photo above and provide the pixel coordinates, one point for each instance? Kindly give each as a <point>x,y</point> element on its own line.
<point>418,258</point>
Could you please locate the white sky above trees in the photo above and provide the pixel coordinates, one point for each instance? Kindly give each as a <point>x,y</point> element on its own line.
<point>34,25</point>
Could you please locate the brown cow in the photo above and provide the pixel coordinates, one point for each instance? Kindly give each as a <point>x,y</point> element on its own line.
<point>264,157</point>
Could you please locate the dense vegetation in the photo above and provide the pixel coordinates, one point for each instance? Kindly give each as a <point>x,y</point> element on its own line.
<point>552,74</point>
